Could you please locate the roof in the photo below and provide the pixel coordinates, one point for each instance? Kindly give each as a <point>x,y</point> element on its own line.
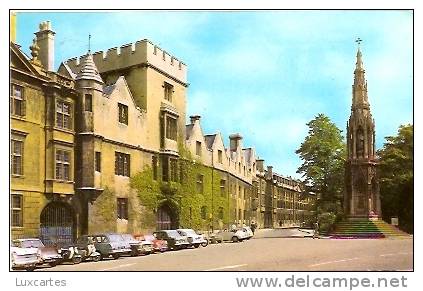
<point>89,70</point>
<point>188,130</point>
<point>210,138</point>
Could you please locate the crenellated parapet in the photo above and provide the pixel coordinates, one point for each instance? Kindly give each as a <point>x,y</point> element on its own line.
<point>140,53</point>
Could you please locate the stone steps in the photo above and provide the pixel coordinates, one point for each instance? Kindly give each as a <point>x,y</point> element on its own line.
<point>366,229</point>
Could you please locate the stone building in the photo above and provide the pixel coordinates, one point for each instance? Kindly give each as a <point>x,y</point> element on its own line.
<point>81,134</point>
<point>279,201</point>
<point>42,121</point>
<point>361,198</point>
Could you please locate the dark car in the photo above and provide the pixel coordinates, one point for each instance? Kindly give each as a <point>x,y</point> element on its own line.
<point>137,247</point>
<point>110,245</point>
<point>174,240</point>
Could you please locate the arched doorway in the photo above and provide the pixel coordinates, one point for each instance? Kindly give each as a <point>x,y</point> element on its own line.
<point>166,217</point>
<point>57,224</point>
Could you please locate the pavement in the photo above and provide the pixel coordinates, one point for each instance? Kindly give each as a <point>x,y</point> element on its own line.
<point>268,252</point>
<point>288,232</point>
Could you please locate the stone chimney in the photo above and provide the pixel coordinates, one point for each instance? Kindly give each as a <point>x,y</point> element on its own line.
<point>194,118</point>
<point>235,140</point>
<point>269,173</point>
<point>260,165</point>
<point>45,40</point>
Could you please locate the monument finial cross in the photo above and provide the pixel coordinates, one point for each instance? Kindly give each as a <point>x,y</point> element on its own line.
<point>358,41</point>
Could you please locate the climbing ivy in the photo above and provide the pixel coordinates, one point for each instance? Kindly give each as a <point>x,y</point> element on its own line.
<point>183,196</point>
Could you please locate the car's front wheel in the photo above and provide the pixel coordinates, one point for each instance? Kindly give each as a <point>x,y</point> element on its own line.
<point>115,256</point>
<point>235,239</point>
<point>30,269</point>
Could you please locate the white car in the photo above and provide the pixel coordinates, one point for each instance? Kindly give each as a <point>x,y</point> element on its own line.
<point>235,235</point>
<point>194,239</point>
<point>24,258</point>
<point>248,232</point>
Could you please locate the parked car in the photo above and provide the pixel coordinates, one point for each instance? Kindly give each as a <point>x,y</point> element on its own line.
<point>248,232</point>
<point>213,238</point>
<point>174,240</point>
<point>110,245</point>
<point>23,258</point>
<point>137,247</point>
<point>86,249</point>
<point>235,235</point>
<point>194,239</point>
<point>49,254</point>
<point>158,245</point>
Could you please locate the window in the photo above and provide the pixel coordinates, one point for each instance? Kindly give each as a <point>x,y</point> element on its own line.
<point>63,114</point>
<point>17,157</point>
<point>198,148</point>
<point>154,167</point>
<point>165,168</point>
<point>123,113</point>
<point>122,208</point>
<point>200,188</point>
<point>204,212</point>
<point>220,213</point>
<point>122,164</point>
<point>173,170</point>
<point>98,161</point>
<point>219,156</point>
<point>62,165</point>
<point>168,91</point>
<point>171,128</point>
<point>88,102</point>
<point>17,206</point>
<point>222,187</point>
<point>17,102</point>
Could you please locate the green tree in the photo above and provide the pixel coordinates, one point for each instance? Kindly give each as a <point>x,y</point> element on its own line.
<point>323,155</point>
<point>396,177</point>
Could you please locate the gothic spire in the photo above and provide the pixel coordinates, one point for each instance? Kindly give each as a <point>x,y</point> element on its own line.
<point>360,85</point>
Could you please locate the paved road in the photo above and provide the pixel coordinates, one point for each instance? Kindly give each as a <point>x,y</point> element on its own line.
<point>271,254</point>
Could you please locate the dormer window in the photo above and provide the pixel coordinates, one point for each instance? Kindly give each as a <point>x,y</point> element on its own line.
<point>198,148</point>
<point>219,156</point>
<point>168,91</point>
<point>123,113</point>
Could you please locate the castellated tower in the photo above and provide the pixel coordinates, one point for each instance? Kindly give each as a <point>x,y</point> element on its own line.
<point>158,84</point>
<point>361,198</point>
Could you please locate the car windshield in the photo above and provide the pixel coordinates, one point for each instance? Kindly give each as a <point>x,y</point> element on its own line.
<point>173,233</point>
<point>33,243</point>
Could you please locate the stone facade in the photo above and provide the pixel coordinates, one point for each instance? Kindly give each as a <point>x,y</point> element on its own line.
<point>361,198</point>
<point>81,134</point>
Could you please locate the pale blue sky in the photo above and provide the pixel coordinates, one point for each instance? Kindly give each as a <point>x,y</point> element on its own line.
<point>263,74</point>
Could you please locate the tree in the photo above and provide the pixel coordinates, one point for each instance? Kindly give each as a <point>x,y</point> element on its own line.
<point>323,154</point>
<point>397,177</point>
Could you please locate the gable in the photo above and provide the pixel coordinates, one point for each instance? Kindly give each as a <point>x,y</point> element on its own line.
<point>19,61</point>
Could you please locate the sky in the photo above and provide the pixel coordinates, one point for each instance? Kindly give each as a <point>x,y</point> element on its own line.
<point>264,74</point>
